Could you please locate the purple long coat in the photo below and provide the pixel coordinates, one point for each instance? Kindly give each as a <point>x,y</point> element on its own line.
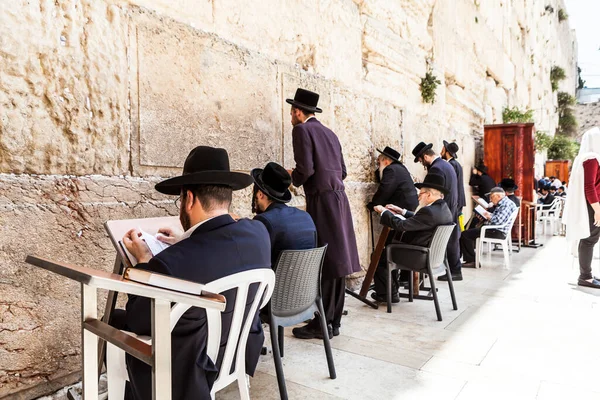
<point>320,168</point>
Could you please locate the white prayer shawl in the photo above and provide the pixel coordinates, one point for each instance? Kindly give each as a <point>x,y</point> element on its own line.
<point>575,215</point>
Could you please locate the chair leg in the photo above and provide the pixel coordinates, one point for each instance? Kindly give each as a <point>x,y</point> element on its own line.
<point>277,359</point>
<point>451,288</point>
<point>478,253</point>
<point>435,296</point>
<point>243,386</point>
<point>280,336</point>
<point>326,342</point>
<point>505,252</point>
<point>411,286</point>
<point>389,288</point>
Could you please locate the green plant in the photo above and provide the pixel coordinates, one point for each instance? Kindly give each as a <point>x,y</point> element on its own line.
<point>428,86</point>
<point>563,148</point>
<point>562,15</point>
<point>542,141</point>
<point>565,100</point>
<point>514,115</point>
<point>557,74</point>
<point>567,123</point>
<point>581,82</point>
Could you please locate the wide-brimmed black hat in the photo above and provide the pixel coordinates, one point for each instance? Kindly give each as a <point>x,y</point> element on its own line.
<point>391,153</point>
<point>451,148</point>
<point>481,168</point>
<point>433,181</point>
<point>305,100</point>
<point>508,184</point>
<point>274,181</point>
<point>420,149</point>
<point>205,166</point>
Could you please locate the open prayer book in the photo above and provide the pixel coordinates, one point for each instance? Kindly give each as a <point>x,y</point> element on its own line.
<point>483,203</point>
<point>481,211</point>
<point>155,246</point>
<point>162,281</point>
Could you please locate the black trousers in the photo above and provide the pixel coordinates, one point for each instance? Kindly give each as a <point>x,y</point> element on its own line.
<point>586,248</point>
<point>453,249</point>
<point>333,292</point>
<point>467,241</point>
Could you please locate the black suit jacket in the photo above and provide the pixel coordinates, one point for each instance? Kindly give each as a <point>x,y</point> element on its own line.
<point>289,229</point>
<point>217,248</point>
<point>419,227</point>
<point>483,184</point>
<point>547,201</point>
<point>459,180</point>
<point>396,187</point>
<point>442,167</point>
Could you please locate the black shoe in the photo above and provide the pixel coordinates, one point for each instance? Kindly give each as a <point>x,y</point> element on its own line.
<point>336,331</point>
<point>455,277</point>
<point>383,298</point>
<point>593,284</point>
<point>469,265</point>
<point>307,332</point>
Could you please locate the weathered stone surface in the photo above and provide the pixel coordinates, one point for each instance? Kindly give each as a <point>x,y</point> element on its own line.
<point>217,94</point>
<point>63,87</point>
<point>588,116</point>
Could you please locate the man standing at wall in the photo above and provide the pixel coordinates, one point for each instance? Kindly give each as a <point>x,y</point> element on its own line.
<point>448,153</point>
<point>435,165</point>
<point>321,170</point>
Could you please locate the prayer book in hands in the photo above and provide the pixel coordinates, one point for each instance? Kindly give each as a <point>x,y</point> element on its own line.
<point>481,211</point>
<point>155,246</point>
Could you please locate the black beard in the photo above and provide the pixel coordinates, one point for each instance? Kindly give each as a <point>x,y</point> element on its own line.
<point>185,220</point>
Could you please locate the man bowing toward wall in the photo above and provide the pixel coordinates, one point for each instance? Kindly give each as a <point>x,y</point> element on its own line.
<point>321,170</point>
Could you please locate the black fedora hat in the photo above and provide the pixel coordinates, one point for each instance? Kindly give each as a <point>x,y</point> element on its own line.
<point>205,166</point>
<point>508,184</point>
<point>451,148</point>
<point>391,153</point>
<point>433,181</point>
<point>274,181</point>
<point>420,149</point>
<point>481,168</point>
<point>305,100</point>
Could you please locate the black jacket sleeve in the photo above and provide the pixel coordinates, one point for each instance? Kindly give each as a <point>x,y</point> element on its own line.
<point>421,221</point>
<point>385,191</point>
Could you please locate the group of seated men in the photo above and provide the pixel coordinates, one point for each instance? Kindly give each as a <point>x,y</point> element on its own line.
<point>414,218</point>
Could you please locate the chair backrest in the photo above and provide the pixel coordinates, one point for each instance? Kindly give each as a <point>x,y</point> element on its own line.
<point>240,327</point>
<point>513,218</point>
<point>297,281</point>
<point>439,243</point>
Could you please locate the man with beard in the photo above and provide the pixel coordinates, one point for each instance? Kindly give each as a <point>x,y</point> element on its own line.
<point>320,169</point>
<point>435,165</point>
<point>289,227</point>
<point>213,246</point>
<point>417,228</point>
<point>448,153</point>
<point>481,182</point>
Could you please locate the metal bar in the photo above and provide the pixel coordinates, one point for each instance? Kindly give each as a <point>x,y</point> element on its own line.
<point>89,310</point>
<point>363,299</point>
<point>130,344</point>
<point>374,261</point>
<point>111,302</point>
<point>161,349</point>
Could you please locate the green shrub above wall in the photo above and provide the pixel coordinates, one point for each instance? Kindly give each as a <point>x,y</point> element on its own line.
<point>562,15</point>
<point>516,116</point>
<point>557,74</point>
<point>428,87</point>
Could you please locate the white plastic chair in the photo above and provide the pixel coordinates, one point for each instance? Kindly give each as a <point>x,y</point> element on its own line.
<point>550,215</point>
<point>506,243</point>
<point>116,370</point>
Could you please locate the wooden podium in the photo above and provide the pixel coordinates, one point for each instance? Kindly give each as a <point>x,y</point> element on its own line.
<point>559,169</point>
<point>509,153</point>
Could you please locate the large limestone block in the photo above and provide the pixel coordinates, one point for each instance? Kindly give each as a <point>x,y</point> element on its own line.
<point>195,89</point>
<point>196,13</point>
<point>319,36</point>
<point>63,87</point>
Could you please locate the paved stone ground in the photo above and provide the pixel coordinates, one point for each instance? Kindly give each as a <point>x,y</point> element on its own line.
<point>525,331</point>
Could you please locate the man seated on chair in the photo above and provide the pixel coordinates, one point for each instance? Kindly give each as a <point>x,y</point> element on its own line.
<point>289,227</point>
<point>509,186</point>
<point>503,210</point>
<point>213,246</point>
<point>416,228</point>
<point>546,198</point>
<point>561,192</point>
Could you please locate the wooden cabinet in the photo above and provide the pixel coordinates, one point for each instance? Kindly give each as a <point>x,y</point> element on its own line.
<point>509,153</point>
<point>559,169</point>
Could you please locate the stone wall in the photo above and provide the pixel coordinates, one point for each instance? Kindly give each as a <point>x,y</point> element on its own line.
<point>101,98</point>
<point>588,116</point>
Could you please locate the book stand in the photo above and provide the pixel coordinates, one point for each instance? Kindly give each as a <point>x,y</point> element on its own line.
<point>157,355</point>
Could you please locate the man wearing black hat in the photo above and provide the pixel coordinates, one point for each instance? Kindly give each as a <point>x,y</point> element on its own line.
<point>448,153</point>
<point>213,246</point>
<point>320,169</point>
<point>435,165</point>
<point>418,227</point>
<point>395,184</point>
<point>481,182</point>
<point>289,227</point>
<point>509,186</point>
<point>546,197</point>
